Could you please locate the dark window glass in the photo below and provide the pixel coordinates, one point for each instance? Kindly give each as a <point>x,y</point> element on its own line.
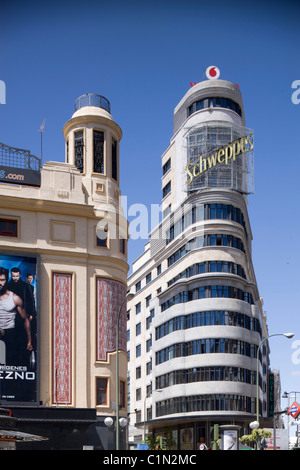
<point>98,152</point>
<point>122,394</point>
<point>114,161</point>
<point>167,189</point>
<point>122,245</point>
<point>167,166</point>
<point>8,228</point>
<point>78,150</point>
<point>102,239</point>
<point>214,102</point>
<point>101,391</point>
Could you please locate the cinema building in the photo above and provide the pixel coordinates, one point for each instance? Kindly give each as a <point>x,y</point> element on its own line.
<point>196,319</point>
<point>54,228</point>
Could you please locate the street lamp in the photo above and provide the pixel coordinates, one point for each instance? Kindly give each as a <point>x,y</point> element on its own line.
<point>287,335</point>
<point>129,296</point>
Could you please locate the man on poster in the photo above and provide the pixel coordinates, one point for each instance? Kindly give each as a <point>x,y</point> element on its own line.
<point>23,290</point>
<point>11,305</point>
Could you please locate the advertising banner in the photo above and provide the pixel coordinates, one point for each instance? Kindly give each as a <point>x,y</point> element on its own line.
<point>18,328</point>
<point>281,443</point>
<point>20,176</point>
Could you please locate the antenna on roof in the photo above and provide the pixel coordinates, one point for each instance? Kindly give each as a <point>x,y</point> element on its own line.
<point>41,130</point>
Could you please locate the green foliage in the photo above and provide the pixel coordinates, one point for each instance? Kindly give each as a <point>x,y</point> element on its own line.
<point>152,442</point>
<point>156,442</point>
<point>170,442</point>
<point>256,436</point>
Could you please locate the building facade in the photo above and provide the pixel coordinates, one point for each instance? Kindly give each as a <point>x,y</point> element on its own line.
<point>196,319</point>
<point>61,226</point>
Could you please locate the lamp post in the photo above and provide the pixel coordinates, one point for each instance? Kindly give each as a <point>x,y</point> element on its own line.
<point>129,296</point>
<point>287,335</point>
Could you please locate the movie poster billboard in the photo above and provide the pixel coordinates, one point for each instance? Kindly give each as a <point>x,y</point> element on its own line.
<point>18,328</point>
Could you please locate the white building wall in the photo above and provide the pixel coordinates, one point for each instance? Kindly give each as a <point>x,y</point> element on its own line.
<point>158,254</point>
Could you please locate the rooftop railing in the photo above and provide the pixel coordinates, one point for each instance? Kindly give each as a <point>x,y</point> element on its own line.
<point>18,158</point>
<point>92,99</point>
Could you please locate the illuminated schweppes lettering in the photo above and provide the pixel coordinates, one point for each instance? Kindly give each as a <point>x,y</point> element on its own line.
<point>221,156</point>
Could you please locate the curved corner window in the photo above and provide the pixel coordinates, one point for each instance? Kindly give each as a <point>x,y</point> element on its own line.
<point>102,238</point>
<point>214,102</point>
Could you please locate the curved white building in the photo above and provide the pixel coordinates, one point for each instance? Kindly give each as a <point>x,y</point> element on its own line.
<point>196,320</point>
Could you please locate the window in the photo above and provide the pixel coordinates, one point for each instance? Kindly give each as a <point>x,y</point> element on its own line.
<point>122,394</point>
<point>166,166</point>
<point>122,245</point>
<point>78,150</point>
<point>215,102</point>
<point>138,308</point>
<point>138,286</point>
<point>101,395</point>
<point>8,228</point>
<point>98,152</point>
<point>138,329</point>
<point>148,299</point>
<point>138,372</point>
<point>138,394</point>
<point>148,368</point>
<point>102,238</point>
<point>159,270</point>
<point>148,344</point>
<point>114,160</point>
<point>167,189</point>
<point>148,278</point>
<point>138,350</point>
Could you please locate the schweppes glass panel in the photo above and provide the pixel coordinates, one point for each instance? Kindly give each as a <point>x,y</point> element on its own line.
<point>219,156</point>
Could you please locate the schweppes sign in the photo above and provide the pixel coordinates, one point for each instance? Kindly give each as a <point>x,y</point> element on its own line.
<point>222,156</point>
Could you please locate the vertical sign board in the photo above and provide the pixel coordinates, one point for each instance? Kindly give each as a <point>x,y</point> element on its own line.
<point>110,295</point>
<point>19,284</point>
<point>271,395</point>
<point>62,338</point>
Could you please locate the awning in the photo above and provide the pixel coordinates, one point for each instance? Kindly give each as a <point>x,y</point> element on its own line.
<point>19,436</point>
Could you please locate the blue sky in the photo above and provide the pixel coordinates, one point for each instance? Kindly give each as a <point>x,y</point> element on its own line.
<point>142,56</point>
